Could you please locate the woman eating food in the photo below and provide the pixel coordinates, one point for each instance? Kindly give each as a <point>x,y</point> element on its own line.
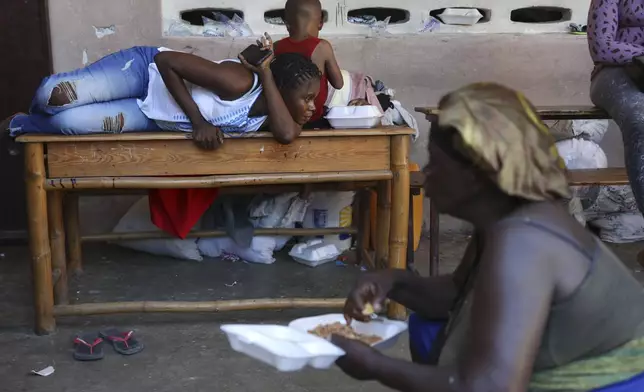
<point>538,303</point>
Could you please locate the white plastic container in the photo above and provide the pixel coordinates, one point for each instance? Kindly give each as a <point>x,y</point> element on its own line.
<point>314,252</point>
<point>387,330</point>
<point>460,16</point>
<point>354,116</point>
<point>283,348</point>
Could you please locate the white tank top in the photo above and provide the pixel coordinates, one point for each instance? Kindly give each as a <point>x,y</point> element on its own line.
<point>229,116</point>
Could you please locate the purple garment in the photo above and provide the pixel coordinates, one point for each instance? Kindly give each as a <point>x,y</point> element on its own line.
<point>616,31</point>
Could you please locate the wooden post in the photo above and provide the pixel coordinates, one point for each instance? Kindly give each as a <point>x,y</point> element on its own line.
<point>364,219</point>
<point>39,238</point>
<point>434,239</point>
<point>399,212</point>
<point>57,243</point>
<point>383,218</point>
<point>72,234</point>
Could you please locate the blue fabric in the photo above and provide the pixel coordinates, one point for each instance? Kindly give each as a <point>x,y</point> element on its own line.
<point>635,384</point>
<point>103,98</point>
<point>422,336</point>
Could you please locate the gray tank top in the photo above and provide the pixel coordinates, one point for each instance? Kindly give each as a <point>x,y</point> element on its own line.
<point>604,312</point>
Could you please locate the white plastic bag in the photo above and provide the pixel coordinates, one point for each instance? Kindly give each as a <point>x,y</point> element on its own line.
<point>179,28</point>
<point>331,209</point>
<point>236,27</point>
<point>212,28</point>
<point>138,219</point>
<point>582,154</point>
<point>260,251</point>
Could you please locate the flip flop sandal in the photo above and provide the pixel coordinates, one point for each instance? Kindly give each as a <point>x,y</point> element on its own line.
<point>123,342</point>
<point>88,347</point>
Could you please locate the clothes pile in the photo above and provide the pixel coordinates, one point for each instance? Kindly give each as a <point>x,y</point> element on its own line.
<point>358,85</point>
<point>611,210</point>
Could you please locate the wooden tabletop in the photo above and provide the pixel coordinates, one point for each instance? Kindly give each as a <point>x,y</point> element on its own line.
<point>141,136</point>
<point>548,112</point>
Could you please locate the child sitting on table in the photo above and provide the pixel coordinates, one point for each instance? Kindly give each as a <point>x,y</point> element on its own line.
<point>303,19</point>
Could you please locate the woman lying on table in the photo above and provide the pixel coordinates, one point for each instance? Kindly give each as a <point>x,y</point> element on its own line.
<point>145,89</point>
<point>538,303</point>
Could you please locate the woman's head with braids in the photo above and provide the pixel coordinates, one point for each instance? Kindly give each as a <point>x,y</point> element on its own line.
<point>298,79</point>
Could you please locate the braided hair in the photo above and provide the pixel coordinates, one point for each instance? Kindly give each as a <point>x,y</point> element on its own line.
<point>291,70</point>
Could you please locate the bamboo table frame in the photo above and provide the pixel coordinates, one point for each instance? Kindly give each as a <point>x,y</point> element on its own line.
<point>59,165</point>
<point>609,176</point>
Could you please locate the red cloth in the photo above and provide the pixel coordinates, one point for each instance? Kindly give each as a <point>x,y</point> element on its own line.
<point>306,48</point>
<point>176,211</point>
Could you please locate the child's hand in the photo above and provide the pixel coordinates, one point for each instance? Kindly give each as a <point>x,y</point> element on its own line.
<point>359,102</point>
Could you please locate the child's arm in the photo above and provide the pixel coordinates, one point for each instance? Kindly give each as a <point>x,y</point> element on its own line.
<point>324,52</point>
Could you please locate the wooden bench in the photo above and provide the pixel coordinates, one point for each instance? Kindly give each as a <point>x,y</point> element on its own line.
<point>59,168</point>
<point>609,176</point>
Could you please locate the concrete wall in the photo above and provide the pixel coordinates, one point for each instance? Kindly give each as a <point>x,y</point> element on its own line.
<point>549,68</point>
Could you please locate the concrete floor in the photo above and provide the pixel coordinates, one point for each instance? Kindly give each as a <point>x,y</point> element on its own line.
<point>183,352</point>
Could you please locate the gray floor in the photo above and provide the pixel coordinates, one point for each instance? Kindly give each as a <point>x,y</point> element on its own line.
<point>183,352</point>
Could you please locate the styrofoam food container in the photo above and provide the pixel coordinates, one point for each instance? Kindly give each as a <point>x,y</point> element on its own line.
<point>314,252</point>
<point>284,348</point>
<point>460,16</point>
<point>354,116</point>
<point>388,330</point>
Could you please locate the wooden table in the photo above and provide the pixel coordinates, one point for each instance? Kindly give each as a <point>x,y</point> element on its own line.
<point>60,165</point>
<point>607,176</point>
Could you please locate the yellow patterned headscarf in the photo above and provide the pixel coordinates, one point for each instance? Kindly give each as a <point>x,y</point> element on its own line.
<point>504,135</point>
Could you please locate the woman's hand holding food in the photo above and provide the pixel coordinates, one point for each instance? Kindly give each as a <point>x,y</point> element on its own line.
<point>368,295</point>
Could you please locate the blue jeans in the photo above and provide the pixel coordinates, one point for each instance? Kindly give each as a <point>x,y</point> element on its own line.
<point>100,98</point>
<point>423,334</point>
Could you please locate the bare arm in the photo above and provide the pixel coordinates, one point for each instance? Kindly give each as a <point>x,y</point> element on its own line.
<point>603,21</point>
<point>433,297</point>
<point>280,121</point>
<point>228,80</point>
<point>324,54</point>
<point>510,312</point>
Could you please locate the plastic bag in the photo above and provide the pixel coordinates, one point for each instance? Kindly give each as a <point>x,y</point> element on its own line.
<point>179,28</point>
<point>212,28</point>
<point>236,27</point>
<point>379,27</point>
<point>582,154</point>
<point>331,209</point>
<point>138,219</point>
<point>429,24</point>
<point>260,251</point>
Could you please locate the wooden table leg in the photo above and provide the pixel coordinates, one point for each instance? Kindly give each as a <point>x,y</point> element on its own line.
<point>383,218</point>
<point>399,213</point>
<point>434,240</point>
<point>72,234</point>
<point>39,238</point>
<point>57,243</point>
<point>364,219</point>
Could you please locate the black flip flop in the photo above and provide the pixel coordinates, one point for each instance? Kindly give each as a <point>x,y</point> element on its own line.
<point>88,347</point>
<point>123,342</point>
